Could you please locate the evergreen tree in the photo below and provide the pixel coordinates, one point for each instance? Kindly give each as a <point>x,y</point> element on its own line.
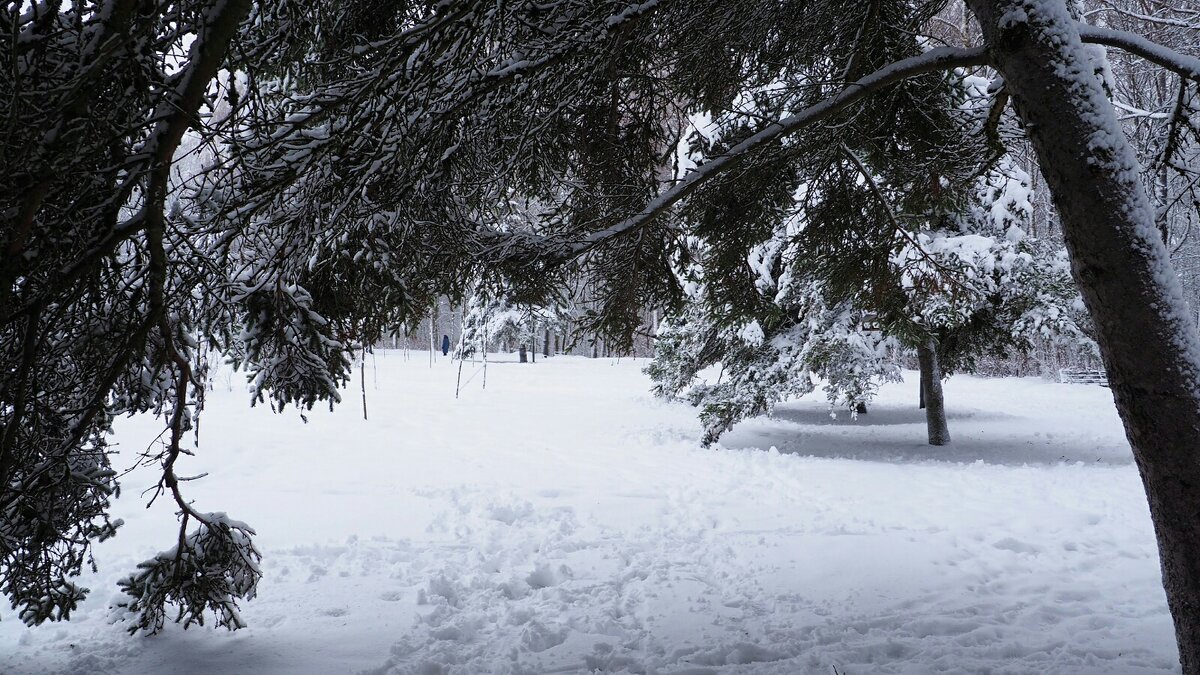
<point>99,285</point>
<point>983,286</point>
<point>490,320</point>
<point>889,218</point>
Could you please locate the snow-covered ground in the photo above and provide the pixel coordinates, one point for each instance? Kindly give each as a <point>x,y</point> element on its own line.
<point>564,521</point>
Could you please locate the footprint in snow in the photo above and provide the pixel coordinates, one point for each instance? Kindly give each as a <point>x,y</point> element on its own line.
<point>1010,544</point>
<point>554,494</point>
<point>272,621</point>
<point>544,577</point>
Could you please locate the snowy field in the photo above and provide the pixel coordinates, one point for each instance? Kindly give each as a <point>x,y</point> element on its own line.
<point>564,521</point>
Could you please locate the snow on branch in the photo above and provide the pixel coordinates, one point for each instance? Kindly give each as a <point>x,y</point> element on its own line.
<point>942,58</point>
<point>209,570</point>
<point>1186,66</point>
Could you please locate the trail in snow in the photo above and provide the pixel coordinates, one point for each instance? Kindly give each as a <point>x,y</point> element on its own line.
<point>564,521</point>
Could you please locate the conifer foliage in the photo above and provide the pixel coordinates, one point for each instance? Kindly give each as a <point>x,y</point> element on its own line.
<point>982,286</point>
<point>100,282</point>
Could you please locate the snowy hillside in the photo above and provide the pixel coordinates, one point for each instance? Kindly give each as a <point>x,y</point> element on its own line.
<point>564,521</point>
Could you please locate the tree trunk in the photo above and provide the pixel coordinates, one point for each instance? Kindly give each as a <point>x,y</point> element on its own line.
<point>931,387</point>
<point>432,333</point>
<point>546,344</point>
<point>860,408</point>
<point>1150,346</point>
<point>523,353</point>
<point>653,331</point>
<point>362,380</point>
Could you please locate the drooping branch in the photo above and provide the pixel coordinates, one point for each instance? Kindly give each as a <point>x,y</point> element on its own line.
<point>148,168</point>
<point>38,557</point>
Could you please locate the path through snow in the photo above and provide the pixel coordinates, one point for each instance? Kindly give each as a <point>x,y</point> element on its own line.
<point>564,521</point>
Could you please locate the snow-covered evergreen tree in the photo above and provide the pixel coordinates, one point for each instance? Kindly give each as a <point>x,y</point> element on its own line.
<point>983,284</point>
<point>980,285</point>
<point>827,346</point>
<point>491,320</point>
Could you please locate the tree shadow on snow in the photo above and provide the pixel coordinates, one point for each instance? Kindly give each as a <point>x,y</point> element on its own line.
<point>876,417</point>
<point>897,434</point>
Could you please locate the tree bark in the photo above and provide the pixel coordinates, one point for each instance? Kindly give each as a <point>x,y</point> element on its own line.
<point>1150,347</point>
<point>524,354</point>
<point>362,380</point>
<point>432,333</point>
<point>546,344</point>
<point>931,387</point>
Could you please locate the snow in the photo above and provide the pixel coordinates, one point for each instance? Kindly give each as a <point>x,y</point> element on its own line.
<point>752,334</point>
<point>562,521</point>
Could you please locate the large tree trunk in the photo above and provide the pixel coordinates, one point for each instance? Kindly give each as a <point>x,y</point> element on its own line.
<point>1149,344</point>
<point>931,388</point>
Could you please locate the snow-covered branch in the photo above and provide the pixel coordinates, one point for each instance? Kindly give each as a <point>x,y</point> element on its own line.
<point>1184,65</point>
<point>942,58</point>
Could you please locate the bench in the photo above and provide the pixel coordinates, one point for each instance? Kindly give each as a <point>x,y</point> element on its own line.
<point>1082,376</point>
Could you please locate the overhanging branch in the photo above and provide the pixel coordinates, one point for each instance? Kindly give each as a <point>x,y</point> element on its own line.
<point>1186,66</point>
<point>942,58</point>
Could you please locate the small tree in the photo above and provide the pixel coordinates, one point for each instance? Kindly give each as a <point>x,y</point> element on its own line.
<point>491,319</point>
